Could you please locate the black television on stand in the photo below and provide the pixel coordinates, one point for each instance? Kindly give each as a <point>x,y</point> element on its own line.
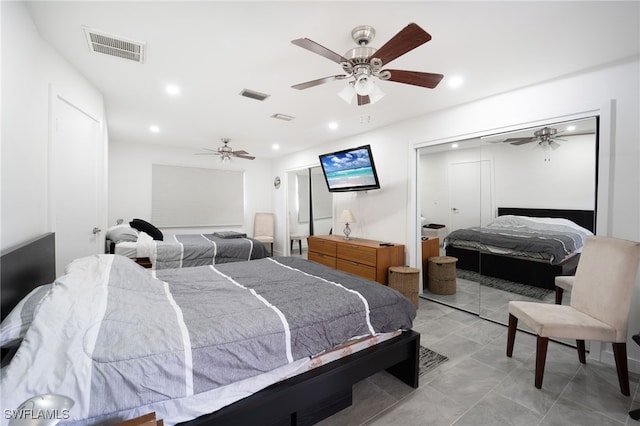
<point>350,170</point>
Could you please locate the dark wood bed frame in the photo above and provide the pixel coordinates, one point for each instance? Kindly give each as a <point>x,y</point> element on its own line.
<point>301,400</point>
<point>531,272</point>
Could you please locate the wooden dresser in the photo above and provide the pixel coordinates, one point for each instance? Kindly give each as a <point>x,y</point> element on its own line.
<point>365,258</point>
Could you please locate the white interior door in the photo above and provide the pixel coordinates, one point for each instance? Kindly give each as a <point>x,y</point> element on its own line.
<point>470,194</point>
<point>76,182</point>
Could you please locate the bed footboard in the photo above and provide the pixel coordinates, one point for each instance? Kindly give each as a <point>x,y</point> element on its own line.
<point>530,272</point>
<point>319,393</point>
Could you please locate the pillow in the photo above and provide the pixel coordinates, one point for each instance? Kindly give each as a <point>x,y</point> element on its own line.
<point>120,233</point>
<point>15,325</point>
<point>144,226</point>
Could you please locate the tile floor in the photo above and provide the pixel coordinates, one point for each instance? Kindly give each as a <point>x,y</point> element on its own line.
<point>479,385</point>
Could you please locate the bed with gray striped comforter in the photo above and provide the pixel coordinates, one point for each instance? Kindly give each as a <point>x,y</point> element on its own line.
<point>185,250</point>
<point>549,239</point>
<point>121,342</point>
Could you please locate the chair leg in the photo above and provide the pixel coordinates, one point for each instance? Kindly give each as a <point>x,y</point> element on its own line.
<point>300,246</point>
<point>511,334</point>
<point>541,357</point>
<point>291,248</point>
<point>559,293</point>
<point>582,354</point>
<point>620,355</point>
<point>271,249</point>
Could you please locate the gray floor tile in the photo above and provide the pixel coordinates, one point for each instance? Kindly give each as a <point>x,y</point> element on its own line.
<point>495,410</point>
<point>480,385</point>
<point>567,413</point>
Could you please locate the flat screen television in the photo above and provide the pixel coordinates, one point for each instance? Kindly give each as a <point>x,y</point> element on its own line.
<point>350,170</point>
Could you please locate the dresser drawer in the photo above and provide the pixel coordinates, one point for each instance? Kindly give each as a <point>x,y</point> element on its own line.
<point>357,253</point>
<point>355,268</point>
<point>322,246</point>
<point>323,259</point>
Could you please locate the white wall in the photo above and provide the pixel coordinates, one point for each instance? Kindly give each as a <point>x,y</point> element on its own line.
<point>390,213</point>
<point>130,181</point>
<point>29,67</point>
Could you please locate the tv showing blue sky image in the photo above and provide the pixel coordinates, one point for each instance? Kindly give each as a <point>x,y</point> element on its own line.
<point>350,170</point>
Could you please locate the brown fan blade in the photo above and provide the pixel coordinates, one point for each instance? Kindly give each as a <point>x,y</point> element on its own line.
<point>407,39</point>
<point>519,141</point>
<point>311,45</point>
<point>423,79</point>
<point>246,157</point>
<point>241,152</point>
<point>207,153</point>
<point>363,100</point>
<point>318,82</point>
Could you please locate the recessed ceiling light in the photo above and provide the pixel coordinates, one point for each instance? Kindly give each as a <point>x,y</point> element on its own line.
<point>172,89</point>
<point>333,125</point>
<point>455,81</point>
<point>571,128</point>
<point>275,147</point>
<point>153,128</point>
<point>454,145</point>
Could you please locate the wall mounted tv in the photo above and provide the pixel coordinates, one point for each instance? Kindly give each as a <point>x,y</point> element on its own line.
<point>350,170</point>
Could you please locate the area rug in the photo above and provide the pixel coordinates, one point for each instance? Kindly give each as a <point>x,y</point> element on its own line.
<point>500,284</point>
<point>429,360</point>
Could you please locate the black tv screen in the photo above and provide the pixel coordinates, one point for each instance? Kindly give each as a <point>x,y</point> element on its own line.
<point>350,170</point>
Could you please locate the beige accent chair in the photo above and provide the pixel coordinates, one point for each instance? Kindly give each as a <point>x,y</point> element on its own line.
<point>563,283</point>
<point>264,228</point>
<point>295,235</point>
<point>599,307</point>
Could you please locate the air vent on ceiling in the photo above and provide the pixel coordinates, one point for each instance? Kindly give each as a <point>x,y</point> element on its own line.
<point>112,45</point>
<point>284,117</point>
<point>254,95</point>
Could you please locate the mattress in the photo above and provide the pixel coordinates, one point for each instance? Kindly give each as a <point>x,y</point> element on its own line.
<point>550,240</point>
<point>187,250</point>
<point>121,342</point>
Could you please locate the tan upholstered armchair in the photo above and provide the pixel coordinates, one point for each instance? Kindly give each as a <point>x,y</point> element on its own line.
<point>599,308</point>
<point>264,228</point>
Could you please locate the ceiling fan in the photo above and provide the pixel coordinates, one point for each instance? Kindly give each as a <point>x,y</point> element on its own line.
<point>226,152</point>
<point>364,62</point>
<point>546,138</point>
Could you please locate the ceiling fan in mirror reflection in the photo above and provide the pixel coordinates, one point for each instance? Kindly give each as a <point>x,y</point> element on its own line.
<point>546,138</point>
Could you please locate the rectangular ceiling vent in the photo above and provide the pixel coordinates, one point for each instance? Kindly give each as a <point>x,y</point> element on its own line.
<point>254,95</point>
<point>284,117</point>
<point>112,45</point>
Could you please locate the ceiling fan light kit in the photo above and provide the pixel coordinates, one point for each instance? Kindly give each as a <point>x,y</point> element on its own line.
<point>364,63</point>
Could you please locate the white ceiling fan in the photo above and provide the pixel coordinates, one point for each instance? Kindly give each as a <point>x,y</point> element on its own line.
<point>226,152</point>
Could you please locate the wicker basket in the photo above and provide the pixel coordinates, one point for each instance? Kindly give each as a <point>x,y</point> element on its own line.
<point>442,274</point>
<point>406,280</point>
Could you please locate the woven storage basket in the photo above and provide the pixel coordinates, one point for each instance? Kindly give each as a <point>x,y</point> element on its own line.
<point>406,280</point>
<point>442,274</point>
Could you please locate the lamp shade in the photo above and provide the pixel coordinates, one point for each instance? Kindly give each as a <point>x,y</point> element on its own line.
<point>348,93</point>
<point>347,217</point>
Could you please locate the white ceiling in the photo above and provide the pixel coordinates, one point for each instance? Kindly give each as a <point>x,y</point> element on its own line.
<point>214,50</point>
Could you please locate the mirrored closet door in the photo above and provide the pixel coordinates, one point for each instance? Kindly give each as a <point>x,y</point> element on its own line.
<point>482,196</point>
<point>310,204</point>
